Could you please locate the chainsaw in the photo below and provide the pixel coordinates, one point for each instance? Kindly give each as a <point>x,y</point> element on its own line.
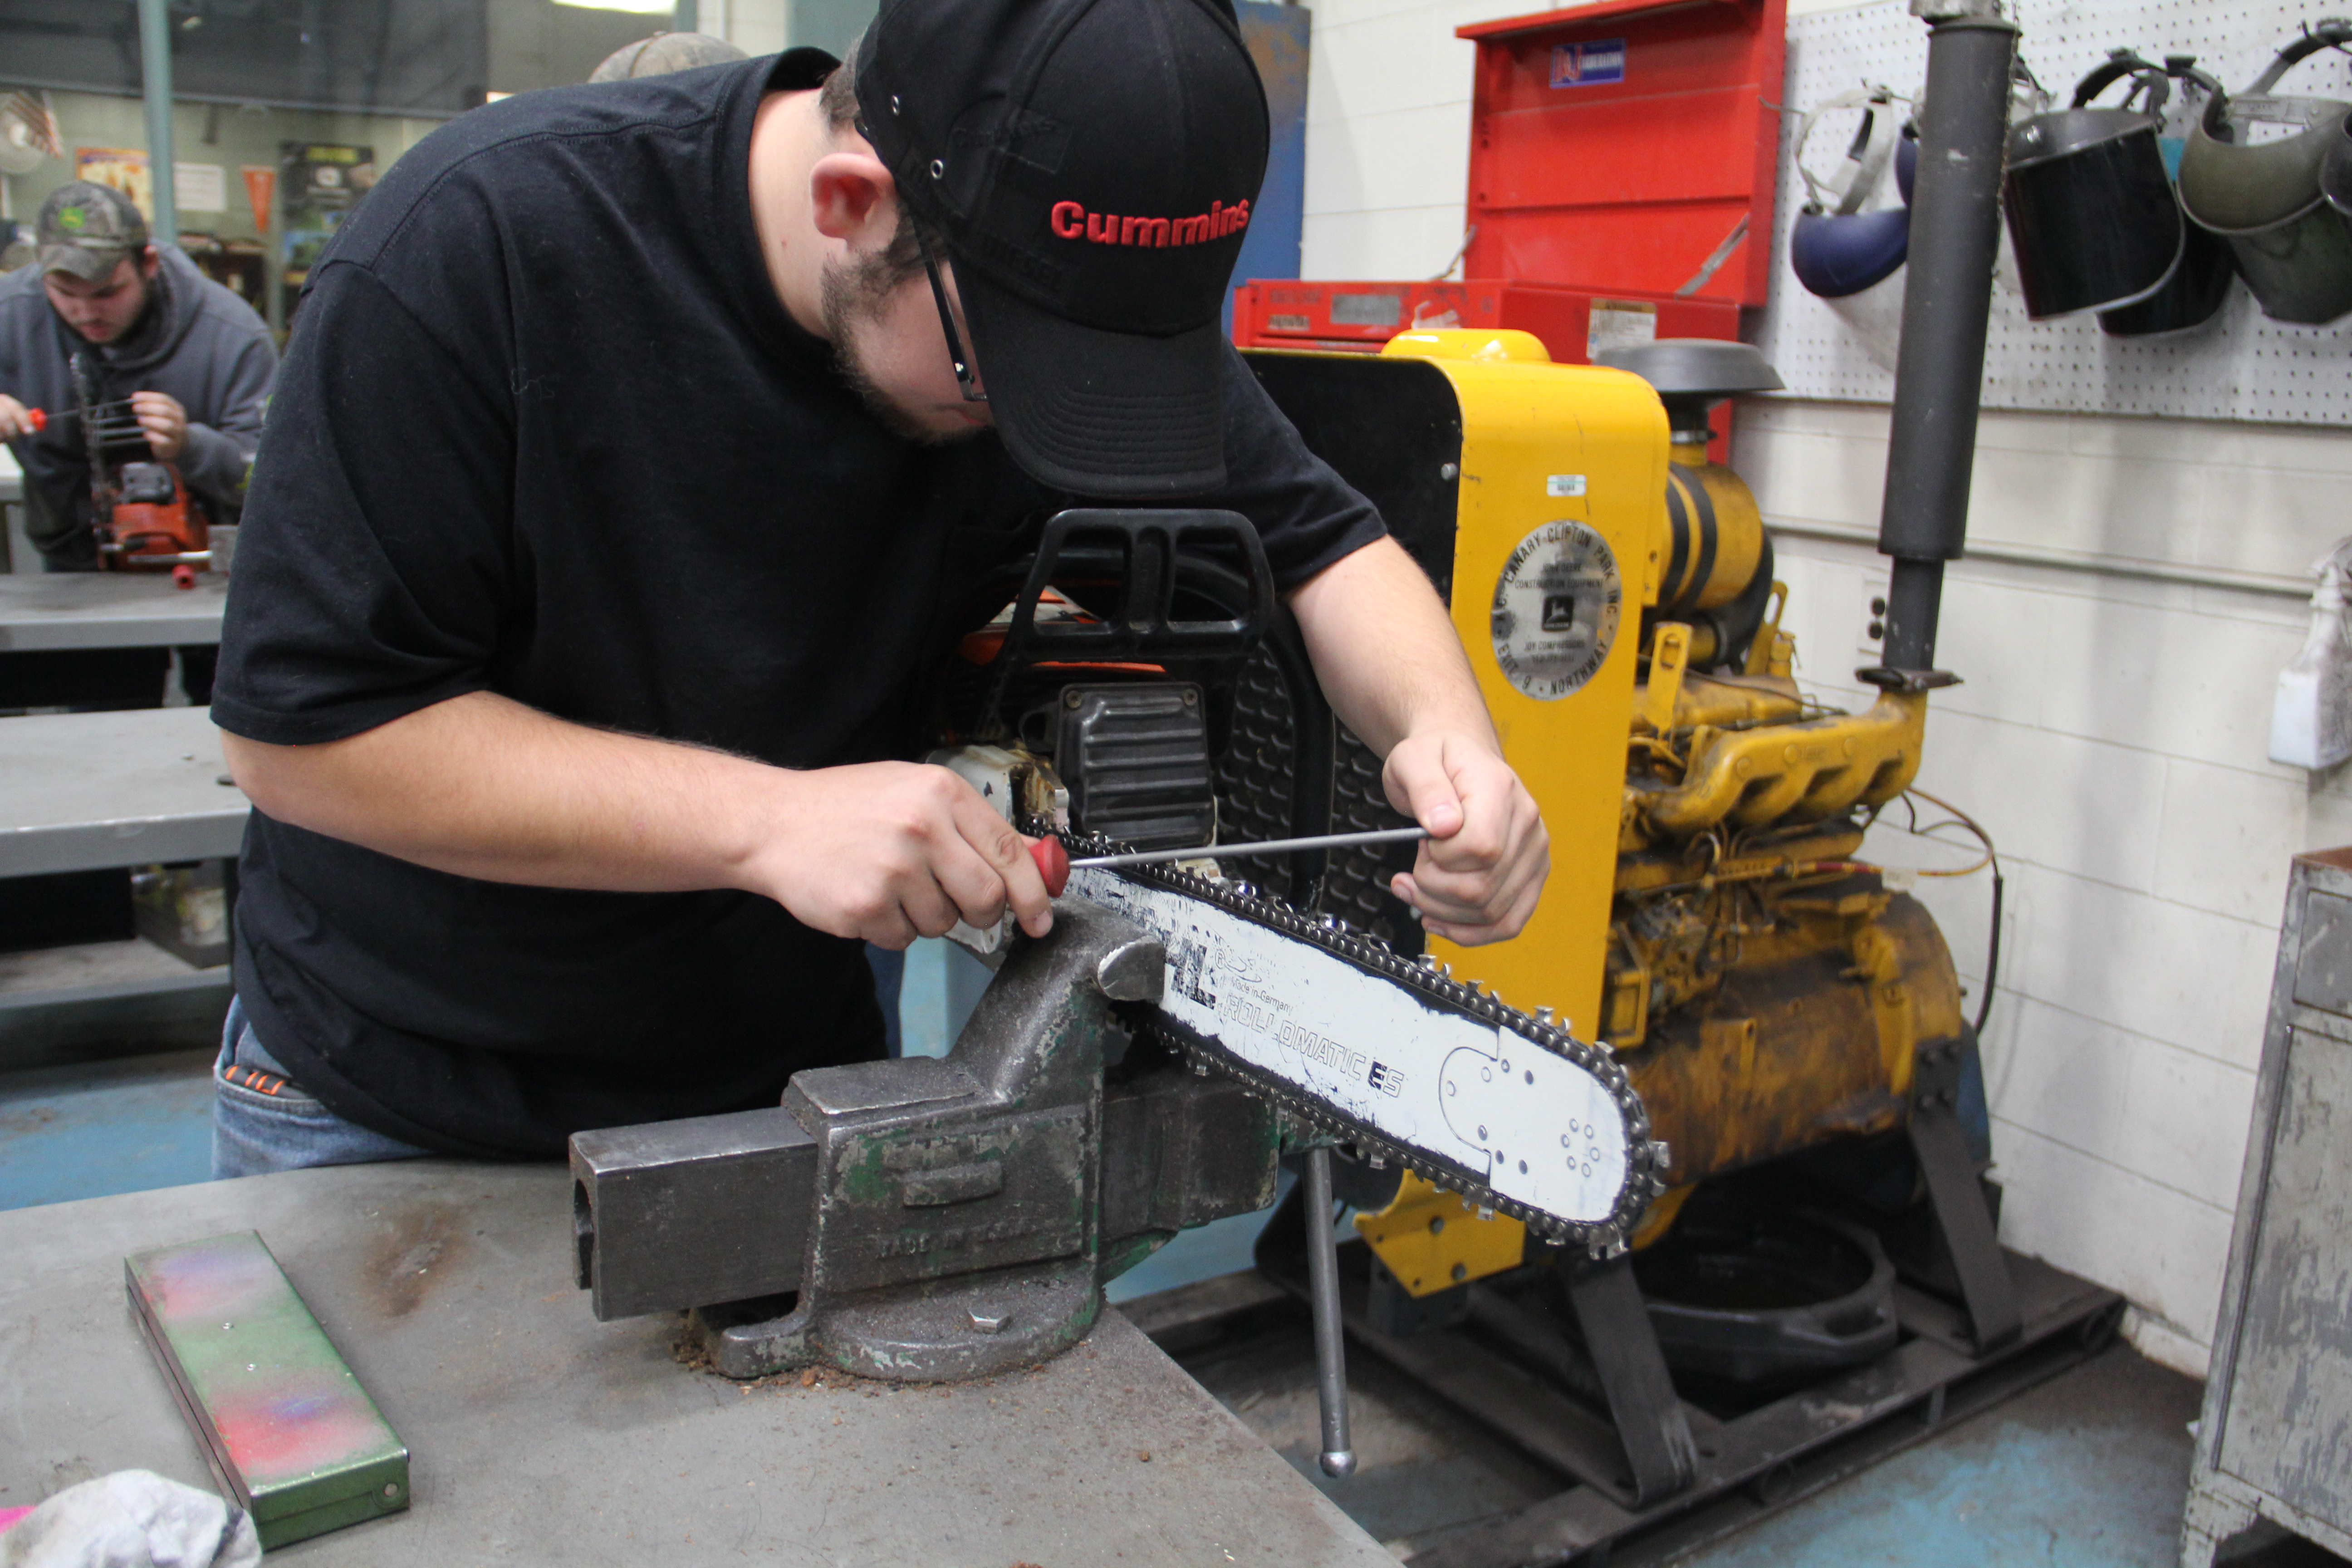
<point>142,513</point>
<point>1381,1050</point>
<point>1141,1069</point>
<point>1390,1054</point>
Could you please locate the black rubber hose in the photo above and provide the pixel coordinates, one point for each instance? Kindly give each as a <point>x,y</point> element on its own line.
<point>1992,955</point>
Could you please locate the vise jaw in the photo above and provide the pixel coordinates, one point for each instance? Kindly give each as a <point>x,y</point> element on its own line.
<point>929,1220</point>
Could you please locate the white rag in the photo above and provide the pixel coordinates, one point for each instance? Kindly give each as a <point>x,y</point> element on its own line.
<point>131,1519</point>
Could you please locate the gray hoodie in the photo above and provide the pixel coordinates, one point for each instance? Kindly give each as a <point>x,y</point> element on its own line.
<point>198,341</point>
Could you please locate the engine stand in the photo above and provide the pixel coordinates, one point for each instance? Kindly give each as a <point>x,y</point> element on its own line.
<point>1576,1380</point>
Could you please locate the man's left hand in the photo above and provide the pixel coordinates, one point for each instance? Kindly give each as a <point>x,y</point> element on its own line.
<point>1479,874</point>
<point>165,421</point>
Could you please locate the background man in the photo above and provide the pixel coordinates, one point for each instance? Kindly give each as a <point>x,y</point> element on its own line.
<point>664,53</point>
<point>634,441</point>
<point>192,360</point>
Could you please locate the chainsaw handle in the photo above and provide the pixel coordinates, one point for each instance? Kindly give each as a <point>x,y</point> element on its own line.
<point>1149,552</point>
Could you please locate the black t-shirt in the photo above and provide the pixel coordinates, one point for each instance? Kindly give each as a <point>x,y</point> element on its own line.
<point>545,430</point>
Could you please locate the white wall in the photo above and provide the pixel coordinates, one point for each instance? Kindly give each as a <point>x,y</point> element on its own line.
<point>2120,628</point>
<point>2112,737</point>
<point>755,27</point>
<point>764,26</point>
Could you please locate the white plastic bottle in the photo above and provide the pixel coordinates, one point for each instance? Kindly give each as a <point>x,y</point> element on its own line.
<point>2311,720</point>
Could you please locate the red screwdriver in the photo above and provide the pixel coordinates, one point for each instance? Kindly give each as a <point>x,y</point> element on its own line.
<point>1054,862</point>
<point>39,419</point>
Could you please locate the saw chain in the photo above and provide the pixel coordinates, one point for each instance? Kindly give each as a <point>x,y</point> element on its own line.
<point>1450,1077</point>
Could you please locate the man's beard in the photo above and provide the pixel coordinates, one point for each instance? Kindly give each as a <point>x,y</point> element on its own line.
<point>853,294</point>
<point>145,327</point>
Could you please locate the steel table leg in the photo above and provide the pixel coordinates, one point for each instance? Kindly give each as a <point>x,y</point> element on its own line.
<point>1339,1458</point>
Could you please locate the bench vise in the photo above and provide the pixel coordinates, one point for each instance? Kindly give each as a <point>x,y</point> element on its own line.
<point>932,1219</point>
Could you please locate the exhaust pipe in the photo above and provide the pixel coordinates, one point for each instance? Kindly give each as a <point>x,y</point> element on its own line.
<point>1948,301</point>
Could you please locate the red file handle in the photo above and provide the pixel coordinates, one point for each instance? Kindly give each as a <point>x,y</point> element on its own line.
<point>1053,863</point>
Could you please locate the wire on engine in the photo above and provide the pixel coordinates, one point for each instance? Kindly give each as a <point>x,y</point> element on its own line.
<point>1991,858</point>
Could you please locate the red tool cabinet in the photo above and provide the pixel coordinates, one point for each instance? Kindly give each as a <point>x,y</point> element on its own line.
<point>1622,163</point>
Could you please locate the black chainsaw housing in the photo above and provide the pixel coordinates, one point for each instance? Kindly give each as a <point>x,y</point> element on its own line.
<point>1135,650</point>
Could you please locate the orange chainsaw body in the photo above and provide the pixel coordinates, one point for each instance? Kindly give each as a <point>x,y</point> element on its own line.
<point>147,530</point>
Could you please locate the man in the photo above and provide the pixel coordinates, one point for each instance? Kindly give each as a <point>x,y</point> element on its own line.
<point>191,360</point>
<point>664,53</point>
<point>633,444</point>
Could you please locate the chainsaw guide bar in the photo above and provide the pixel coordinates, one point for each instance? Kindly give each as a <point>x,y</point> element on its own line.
<point>1393,1055</point>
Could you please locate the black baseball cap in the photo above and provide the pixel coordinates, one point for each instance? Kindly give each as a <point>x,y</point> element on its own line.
<point>1092,165</point>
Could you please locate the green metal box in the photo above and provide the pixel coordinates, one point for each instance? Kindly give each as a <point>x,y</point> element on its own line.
<point>291,1434</point>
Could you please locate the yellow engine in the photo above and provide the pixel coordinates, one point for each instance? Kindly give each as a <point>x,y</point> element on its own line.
<point>1705,915</point>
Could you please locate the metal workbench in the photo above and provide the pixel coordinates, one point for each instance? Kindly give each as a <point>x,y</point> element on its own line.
<point>90,791</point>
<point>86,792</point>
<point>539,1435</point>
<point>57,610</point>
<point>83,792</point>
<point>16,549</point>
<point>40,609</point>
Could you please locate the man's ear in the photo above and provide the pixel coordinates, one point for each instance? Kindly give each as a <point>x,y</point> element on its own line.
<point>852,197</point>
<point>150,258</point>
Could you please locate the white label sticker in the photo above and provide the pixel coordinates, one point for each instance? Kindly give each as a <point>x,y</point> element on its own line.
<point>1554,617</point>
<point>1620,324</point>
<point>1563,486</point>
<point>1536,1128</point>
<point>1367,310</point>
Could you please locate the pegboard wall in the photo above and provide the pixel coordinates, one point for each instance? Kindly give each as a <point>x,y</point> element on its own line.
<point>2241,365</point>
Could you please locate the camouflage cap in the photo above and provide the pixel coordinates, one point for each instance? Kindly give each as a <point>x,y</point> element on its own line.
<point>87,228</point>
<point>664,53</point>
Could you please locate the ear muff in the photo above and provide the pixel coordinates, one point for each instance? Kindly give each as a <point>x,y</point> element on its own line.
<point>1837,248</point>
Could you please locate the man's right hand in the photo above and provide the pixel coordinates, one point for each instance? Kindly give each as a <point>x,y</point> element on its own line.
<point>891,851</point>
<point>16,419</point>
<point>480,785</point>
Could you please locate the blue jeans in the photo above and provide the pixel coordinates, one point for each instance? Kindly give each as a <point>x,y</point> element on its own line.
<point>263,1122</point>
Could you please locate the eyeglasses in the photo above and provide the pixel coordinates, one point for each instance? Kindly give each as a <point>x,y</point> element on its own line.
<point>966,382</point>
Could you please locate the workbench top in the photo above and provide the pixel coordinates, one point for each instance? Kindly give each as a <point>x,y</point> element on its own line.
<point>539,1435</point>
<point>82,792</point>
<point>108,609</point>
